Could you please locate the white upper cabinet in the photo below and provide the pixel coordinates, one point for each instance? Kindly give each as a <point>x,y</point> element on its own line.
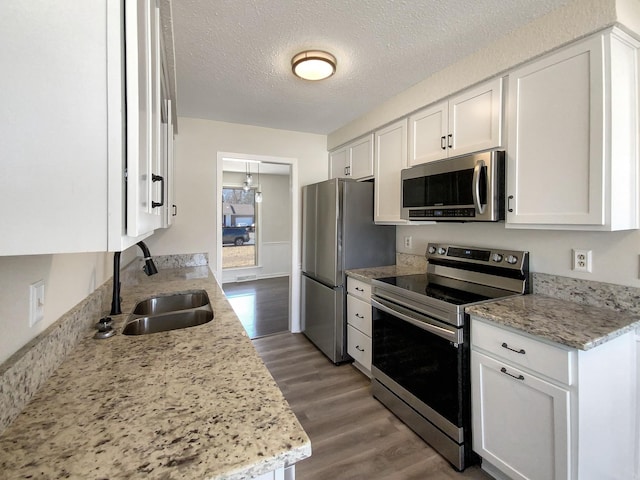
<point>390,159</point>
<point>339,163</point>
<point>468,122</point>
<point>572,147</point>
<point>354,160</point>
<point>70,136</point>
<point>144,135</point>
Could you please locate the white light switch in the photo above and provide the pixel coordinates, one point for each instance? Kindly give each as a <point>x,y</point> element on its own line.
<point>36,302</point>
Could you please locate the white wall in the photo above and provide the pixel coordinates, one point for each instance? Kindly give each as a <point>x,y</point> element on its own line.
<point>616,255</point>
<point>196,148</point>
<point>68,278</point>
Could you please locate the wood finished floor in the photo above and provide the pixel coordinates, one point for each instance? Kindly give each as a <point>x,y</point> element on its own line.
<point>261,305</point>
<point>353,436</point>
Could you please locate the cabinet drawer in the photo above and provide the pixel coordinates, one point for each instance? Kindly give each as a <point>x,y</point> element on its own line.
<point>359,314</point>
<point>359,346</point>
<point>359,288</point>
<point>548,360</point>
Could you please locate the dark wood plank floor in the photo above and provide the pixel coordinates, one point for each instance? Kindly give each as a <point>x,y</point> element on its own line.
<point>261,305</point>
<point>353,436</point>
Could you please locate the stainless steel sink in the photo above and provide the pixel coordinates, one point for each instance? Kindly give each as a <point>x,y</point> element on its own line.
<point>172,302</point>
<point>169,312</point>
<point>167,321</point>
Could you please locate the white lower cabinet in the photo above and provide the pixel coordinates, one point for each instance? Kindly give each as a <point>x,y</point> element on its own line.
<point>359,331</point>
<point>510,401</point>
<point>545,411</point>
<point>288,473</point>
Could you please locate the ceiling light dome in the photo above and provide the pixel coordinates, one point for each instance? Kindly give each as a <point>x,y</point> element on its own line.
<point>313,65</point>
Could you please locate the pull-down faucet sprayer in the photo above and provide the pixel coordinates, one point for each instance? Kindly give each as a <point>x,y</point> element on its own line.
<point>149,268</point>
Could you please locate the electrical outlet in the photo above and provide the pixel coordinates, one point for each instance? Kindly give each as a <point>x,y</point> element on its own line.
<point>581,260</point>
<point>407,241</point>
<point>36,302</point>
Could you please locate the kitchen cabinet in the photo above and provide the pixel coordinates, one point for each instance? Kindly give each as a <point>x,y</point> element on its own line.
<point>359,328</point>
<point>354,160</point>
<point>542,410</point>
<point>468,122</point>
<point>572,146</point>
<point>80,161</point>
<point>390,159</point>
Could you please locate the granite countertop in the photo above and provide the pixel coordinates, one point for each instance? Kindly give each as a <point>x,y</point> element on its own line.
<point>196,403</point>
<point>367,274</point>
<point>567,323</point>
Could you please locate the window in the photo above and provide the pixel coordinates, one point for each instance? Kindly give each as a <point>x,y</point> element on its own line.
<point>239,217</point>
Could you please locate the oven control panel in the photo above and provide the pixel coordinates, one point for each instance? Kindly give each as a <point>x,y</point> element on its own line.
<point>513,259</point>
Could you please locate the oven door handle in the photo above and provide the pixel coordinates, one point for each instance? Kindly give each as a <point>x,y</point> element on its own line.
<point>429,327</point>
<point>476,186</point>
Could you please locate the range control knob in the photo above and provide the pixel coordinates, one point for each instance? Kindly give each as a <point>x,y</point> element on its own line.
<point>497,257</point>
<point>441,251</point>
<point>512,259</point>
<point>431,249</point>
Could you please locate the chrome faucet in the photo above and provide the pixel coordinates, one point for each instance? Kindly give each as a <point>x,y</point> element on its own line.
<point>149,268</point>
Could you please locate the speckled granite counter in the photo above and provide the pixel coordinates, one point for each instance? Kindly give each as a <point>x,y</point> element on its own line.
<point>367,274</point>
<point>568,323</point>
<point>196,403</point>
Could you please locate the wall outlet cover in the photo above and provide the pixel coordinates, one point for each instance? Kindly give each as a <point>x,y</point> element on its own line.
<point>36,302</point>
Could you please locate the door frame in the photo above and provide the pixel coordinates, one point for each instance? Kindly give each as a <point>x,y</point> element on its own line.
<point>294,272</point>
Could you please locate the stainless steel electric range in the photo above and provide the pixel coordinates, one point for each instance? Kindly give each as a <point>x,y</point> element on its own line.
<point>420,363</point>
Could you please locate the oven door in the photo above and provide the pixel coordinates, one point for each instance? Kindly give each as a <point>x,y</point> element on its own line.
<point>423,362</point>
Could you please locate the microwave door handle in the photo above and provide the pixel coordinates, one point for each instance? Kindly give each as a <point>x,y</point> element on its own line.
<point>476,186</point>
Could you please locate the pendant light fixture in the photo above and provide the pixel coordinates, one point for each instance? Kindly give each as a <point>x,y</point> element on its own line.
<point>313,65</point>
<point>248,179</point>
<point>258,197</point>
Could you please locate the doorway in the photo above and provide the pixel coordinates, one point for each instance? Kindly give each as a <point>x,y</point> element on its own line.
<point>272,248</point>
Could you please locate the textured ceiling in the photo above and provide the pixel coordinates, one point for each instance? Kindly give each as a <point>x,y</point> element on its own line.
<point>233,57</point>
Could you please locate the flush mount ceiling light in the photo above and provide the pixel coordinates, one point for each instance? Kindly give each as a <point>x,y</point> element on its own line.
<point>313,65</point>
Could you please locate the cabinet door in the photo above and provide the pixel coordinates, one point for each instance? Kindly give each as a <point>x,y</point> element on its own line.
<point>54,117</point>
<point>142,35</point>
<point>359,347</point>
<point>555,145</point>
<point>361,153</point>
<point>475,119</point>
<point>168,159</point>
<point>508,404</point>
<point>359,314</point>
<point>428,134</point>
<point>390,159</point>
<point>339,163</point>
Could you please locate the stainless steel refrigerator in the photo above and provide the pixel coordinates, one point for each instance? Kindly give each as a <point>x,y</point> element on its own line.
<point>338,234</point>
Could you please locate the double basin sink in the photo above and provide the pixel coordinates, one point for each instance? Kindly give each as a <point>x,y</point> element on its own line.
<point>169,312</point>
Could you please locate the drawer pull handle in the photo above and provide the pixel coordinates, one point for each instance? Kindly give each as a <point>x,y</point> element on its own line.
<point>359,316</point>
<point>360,289</point>
<point>359,349</point>
<point>521,351</point>
<point>504,370</point>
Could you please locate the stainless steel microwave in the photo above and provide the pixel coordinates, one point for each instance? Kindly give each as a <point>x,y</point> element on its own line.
<point>469,188</point>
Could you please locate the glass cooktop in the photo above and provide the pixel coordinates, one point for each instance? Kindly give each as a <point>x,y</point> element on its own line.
<point>419,284</point>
